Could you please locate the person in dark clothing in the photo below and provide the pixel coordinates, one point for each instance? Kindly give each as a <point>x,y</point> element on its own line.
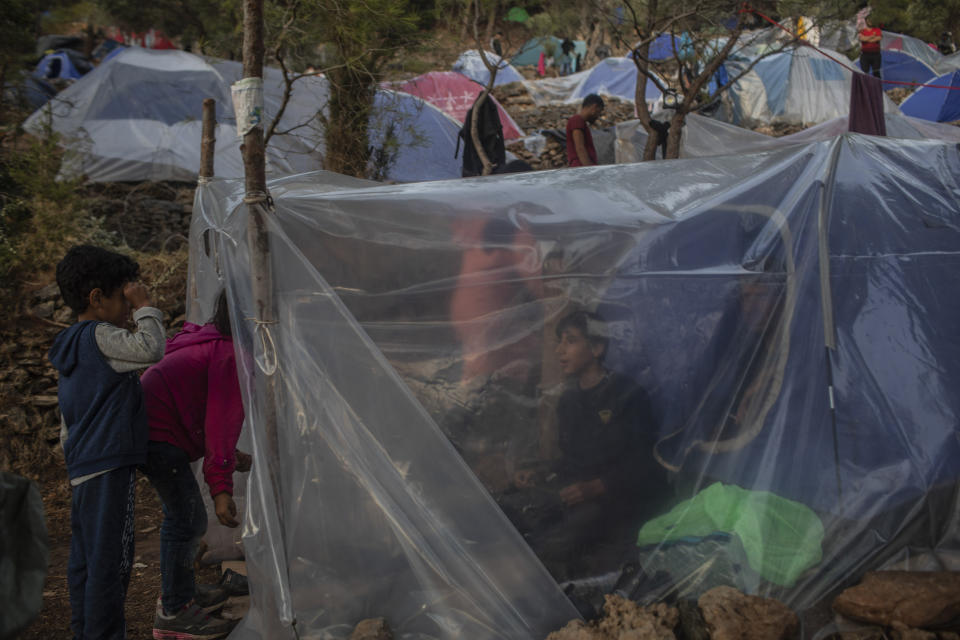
<point>496,45</point>
<point>580,149</point>
<point>606,482</point>
<point>946,45</point>
<point>566,61</point>
<point>103,427</point>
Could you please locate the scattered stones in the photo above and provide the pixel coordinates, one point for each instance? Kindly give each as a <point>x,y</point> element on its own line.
<point>732,615</point>
<point>913,599</point>
<point>372,629</point>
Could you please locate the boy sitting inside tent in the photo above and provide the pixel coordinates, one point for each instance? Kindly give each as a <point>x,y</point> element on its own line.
<point>606,481</point>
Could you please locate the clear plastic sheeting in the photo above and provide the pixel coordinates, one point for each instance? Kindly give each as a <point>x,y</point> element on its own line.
<point>795,86</point>
<point>703,137</point>
<point>462,393</point>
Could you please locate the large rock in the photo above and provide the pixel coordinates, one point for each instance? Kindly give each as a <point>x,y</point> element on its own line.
<point>624,620</point>
<point>912,599</point>
<point>372,629</point>
<point>732,615</point>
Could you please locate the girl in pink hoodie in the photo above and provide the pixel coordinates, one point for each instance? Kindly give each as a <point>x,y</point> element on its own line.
<point>194,411</point>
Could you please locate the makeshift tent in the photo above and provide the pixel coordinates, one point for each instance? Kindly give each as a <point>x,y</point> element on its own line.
<point>936,104</point>
<point>137,117</point>
<point>614,77</point>
<point>421,138</point>
<point>796,86</point>
<point>59,65</point>
<point>547,90</point>
<point>898,43</point>
<point>471,65</point>
<point>454,94</point>
<point>789,315</point>
<point>529,53</point>
<point>704,136</point>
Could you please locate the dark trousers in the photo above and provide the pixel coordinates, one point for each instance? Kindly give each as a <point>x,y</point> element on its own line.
<point>101,554</point>
<point>870,60</point>
<point>184,521</point>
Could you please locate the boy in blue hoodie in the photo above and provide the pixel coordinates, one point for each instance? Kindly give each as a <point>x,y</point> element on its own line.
<point>104,427</point>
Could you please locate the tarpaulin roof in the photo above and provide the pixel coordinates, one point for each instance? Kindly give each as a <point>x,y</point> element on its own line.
<point>137,117</point>
<point>614,77</point>
<point>703,136</point>
<point>933,103</point>
<point>454,94</point>
<point>797,86</point>
<point>783,321</point>
<point>471,65</point>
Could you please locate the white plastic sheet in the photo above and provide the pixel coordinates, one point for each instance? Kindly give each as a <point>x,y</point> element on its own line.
<point>789,315</point>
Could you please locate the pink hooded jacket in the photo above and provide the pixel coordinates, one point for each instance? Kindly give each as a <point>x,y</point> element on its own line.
<point>193,401</point>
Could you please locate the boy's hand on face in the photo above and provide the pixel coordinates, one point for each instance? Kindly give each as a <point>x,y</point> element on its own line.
<point>581,491</point>
<point>226,509</point>
<point>136,294</point>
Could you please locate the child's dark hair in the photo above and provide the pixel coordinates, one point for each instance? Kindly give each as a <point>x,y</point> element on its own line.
<point>86,268</point>
<point>590,325</point>
<point>221,315</point>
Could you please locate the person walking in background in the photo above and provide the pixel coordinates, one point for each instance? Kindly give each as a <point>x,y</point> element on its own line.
<point>870,57</point>
<point>580,149</point>
<point>103,427</point>
<point>195,411</point>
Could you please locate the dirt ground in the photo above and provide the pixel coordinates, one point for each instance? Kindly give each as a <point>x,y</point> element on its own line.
<point>53,623</point>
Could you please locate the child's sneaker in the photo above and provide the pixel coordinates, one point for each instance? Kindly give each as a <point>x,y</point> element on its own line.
<point>190,623</point>
<point>209,597</point>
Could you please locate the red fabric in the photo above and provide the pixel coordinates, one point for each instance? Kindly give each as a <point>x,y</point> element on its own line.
<point>454,94</point>
<point>574,123</point>
<point>193,401</point>
<point>870,46</point>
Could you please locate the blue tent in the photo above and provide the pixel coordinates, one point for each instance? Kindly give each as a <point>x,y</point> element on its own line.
<point>902,67</point>
<point>663,47</point>
<point>57,65</point>
<point>615,77</point>
<point>931,103</point>
<point>529,53</point>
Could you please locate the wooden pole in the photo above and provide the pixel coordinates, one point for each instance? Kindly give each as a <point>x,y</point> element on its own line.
<point>208,139</point>
<point>259,207</point>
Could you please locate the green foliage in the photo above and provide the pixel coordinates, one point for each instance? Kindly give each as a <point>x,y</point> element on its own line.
<point>17,27</point>
<point>924,19</point>
<point>40,217</point>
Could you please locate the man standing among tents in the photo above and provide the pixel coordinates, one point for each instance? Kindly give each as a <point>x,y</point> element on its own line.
<point>870,38</point>
<point>580,149</point>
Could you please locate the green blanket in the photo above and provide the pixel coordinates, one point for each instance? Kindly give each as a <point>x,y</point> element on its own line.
<point>781,537</point>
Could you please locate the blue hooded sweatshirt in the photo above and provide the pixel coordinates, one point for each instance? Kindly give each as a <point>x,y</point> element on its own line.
<point>104,410</point>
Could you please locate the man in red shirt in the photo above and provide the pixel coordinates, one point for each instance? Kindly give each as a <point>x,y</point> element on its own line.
<point>580,149</point>
<point>870,49</point>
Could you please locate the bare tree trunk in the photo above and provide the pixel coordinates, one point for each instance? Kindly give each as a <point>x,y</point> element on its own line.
<point>208,139</point>
<point>475,131</point>
<point>675,135</point>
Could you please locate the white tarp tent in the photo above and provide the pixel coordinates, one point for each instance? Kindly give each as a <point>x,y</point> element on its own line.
<point>797,86</point>
<point>471,65</point>
<point>703,136</point>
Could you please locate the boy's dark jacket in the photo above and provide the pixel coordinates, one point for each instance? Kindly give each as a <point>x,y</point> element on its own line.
<point>104,410</point>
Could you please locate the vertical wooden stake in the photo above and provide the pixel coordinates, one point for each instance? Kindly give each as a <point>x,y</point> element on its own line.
<point>208,140</point>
